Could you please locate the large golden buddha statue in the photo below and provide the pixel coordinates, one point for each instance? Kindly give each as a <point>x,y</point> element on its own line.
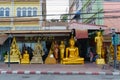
<point>72,54</point>
<point>99,47</point>
<point>25,58</point>
<point>15,54</point>
<point>37,53</point>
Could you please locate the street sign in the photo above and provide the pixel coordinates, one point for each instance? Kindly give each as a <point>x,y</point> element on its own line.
<point>115,39</point>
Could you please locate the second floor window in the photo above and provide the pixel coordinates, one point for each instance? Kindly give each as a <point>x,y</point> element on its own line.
<point>7,12</point>
<point>34,11</point>
<point>29,11</point>
<point>2,12</point>
<point>26,11</point>
<point>18,12</point>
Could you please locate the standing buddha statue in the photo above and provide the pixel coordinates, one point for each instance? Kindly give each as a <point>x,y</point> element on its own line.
<point>62,50</point>
<point>99,45</point>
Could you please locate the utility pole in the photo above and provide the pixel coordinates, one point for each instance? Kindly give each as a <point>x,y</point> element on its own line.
<point>114,42</point>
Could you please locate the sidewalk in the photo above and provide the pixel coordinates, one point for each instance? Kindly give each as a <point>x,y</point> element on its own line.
<point>85,69</point>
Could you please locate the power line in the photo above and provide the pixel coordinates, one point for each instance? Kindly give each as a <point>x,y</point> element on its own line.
<point>106,17</point>
<point>114,11</point>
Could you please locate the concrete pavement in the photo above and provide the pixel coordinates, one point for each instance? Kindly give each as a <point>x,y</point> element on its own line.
<point>85,69</point>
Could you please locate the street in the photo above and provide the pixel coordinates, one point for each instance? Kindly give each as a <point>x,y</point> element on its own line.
<point>89,71</point>
<point>57,77</point>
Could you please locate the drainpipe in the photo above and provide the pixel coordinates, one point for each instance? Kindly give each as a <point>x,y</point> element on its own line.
<point>10,39</point>
<point>12,15</point>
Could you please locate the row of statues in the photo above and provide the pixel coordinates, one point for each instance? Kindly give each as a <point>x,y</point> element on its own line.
<point>58,53</point>
<point>69,55</point>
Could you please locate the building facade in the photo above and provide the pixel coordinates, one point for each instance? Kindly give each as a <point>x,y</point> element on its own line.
<point>21,14</point>
<point>91,11</point>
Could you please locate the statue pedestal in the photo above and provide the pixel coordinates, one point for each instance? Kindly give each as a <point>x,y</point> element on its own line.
<point>25,61</point>
<point>100,61</point>
<point>36,59</point>
<point>50,59</point>
<point>73,61</point>
<point>13,59</point>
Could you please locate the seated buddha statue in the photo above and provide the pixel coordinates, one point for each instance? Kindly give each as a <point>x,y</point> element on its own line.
<point>37,53</point>
<point>72,54</point>
<point>25,58</point>
<point>15,54</point>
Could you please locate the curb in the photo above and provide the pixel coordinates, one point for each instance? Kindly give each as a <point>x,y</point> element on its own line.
<point>59,73</point>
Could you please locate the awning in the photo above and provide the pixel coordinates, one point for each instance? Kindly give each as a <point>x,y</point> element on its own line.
<point>82,29</point>
<point>3,38</point>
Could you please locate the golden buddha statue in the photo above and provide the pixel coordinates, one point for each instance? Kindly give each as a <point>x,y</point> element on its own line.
<point>99,45</point>
<point>118,53</point>
<point>37,53</point>
<point>50,58</point>
<point>25,58</point>
<point>72,54</point>
<point>15,54</point>
<point>56,50</point>
<point>62,50</point>
<point>112,50</point>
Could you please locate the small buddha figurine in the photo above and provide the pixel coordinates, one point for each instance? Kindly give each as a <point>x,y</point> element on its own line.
<point>37,54</point>
<point>25,58</point>
<point>62,50</point>
<point>15,54</point>
<point>99,46</point>
<point>72,54</point>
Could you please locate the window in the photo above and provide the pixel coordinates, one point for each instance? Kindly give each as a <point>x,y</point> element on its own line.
<point>18,12</point>
<point>7,12</point>
<point>2,12</point>
<point>34,11</point>
<point>29,11</point>
<point>24,12</point>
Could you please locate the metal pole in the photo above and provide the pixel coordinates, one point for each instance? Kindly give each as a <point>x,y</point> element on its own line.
<point>10,37</point>
<point>115,47</point>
